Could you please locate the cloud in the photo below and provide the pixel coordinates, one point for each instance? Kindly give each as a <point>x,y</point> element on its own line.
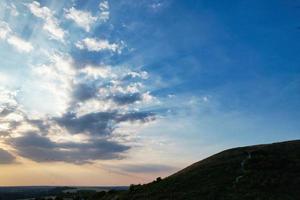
<point>134,75</point>
<point>156,5</point>
<point>64,111</point>
<point>104,11</point>
<point>124,99</point>
<point>7,34</point>
<point>52,80</point>
<point>42,149</point>
<point>4,30</point>
<point>6,157</point>
<point>103,5</point>
<point>143,116</point>
<point>48,137</point>
<point>92,123</point>
<point>145,168</point>
<point>85,91</point>
<point>11,116</point>
<point>92,44</point>
<point>100,123</point>
<point>7,99</point>
<point>53,28</point>
<point>51,24</point>
<point>35,138</point>
<point>83,19</point>
<point>20,44</point>
<point>41,12</point>
<point>98,72</point>
<point>118,88</point>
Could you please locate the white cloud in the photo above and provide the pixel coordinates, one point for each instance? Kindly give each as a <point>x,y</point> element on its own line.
<point>51,24</point>
<point>92,44</point>
<point>142,74</point>
<point>7,34</point>
<point>20,44</point>
<point>41,12</point>
<point>104,11</point>
<point>148,98</point>
<point>97,72</point>
<point>81,18</point>
<point>103,5</point>
<point>52,81</point>
<point>4,30</point>
<point>52,27</point>
<point>85,19</point>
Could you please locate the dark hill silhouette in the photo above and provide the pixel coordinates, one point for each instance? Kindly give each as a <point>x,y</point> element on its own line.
<point>270,171</point>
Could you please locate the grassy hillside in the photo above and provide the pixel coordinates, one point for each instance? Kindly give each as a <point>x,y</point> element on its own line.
<point>259,172</point>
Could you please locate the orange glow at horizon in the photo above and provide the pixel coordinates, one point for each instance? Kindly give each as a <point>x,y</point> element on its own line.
<point>62,174</point>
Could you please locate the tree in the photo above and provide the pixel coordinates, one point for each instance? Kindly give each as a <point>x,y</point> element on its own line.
<point>158,179</point>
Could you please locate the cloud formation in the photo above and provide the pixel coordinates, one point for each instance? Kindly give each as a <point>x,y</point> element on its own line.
<point>104,11</point>
<point>64,110</point>
<point>93,44</point>
<point>100,123</point>
<point>4,30</point>
<point>7,34</point>
<point>45,138</point>
<point>42,149</point>
<point>144,168</point>
<point>51,24</point>
<point>124,99</point>
<point>83,19</point>
<point>20,44</point>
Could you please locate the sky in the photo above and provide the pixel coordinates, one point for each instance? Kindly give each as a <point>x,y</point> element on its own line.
<point>114,92</point>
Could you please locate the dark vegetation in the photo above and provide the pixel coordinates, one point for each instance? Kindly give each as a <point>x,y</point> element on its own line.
<point>261,172</point>
<point>59,193</point>
<point>13,193</point>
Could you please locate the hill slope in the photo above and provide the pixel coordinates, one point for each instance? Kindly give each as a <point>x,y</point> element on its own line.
<point>269,171</point>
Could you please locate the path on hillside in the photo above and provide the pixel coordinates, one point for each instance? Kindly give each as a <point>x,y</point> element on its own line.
<point>243,167</point>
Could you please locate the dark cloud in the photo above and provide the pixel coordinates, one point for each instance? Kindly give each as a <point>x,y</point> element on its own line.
<point>147,168</point>
<point>38,147</point>
<point>100,123</point>
<point>42,149</point>
<point>32,139</point>
<point>89,90</point>
<point>123,99</point>
<point>6,157</point>
<point>144,116</point>
<point>42,125</point>
<point>85,91</point>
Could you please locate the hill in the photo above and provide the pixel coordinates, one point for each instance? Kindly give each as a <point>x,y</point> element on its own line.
<point>270,171</point>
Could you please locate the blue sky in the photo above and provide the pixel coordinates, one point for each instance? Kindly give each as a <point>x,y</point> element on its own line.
<point>127,87</point>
